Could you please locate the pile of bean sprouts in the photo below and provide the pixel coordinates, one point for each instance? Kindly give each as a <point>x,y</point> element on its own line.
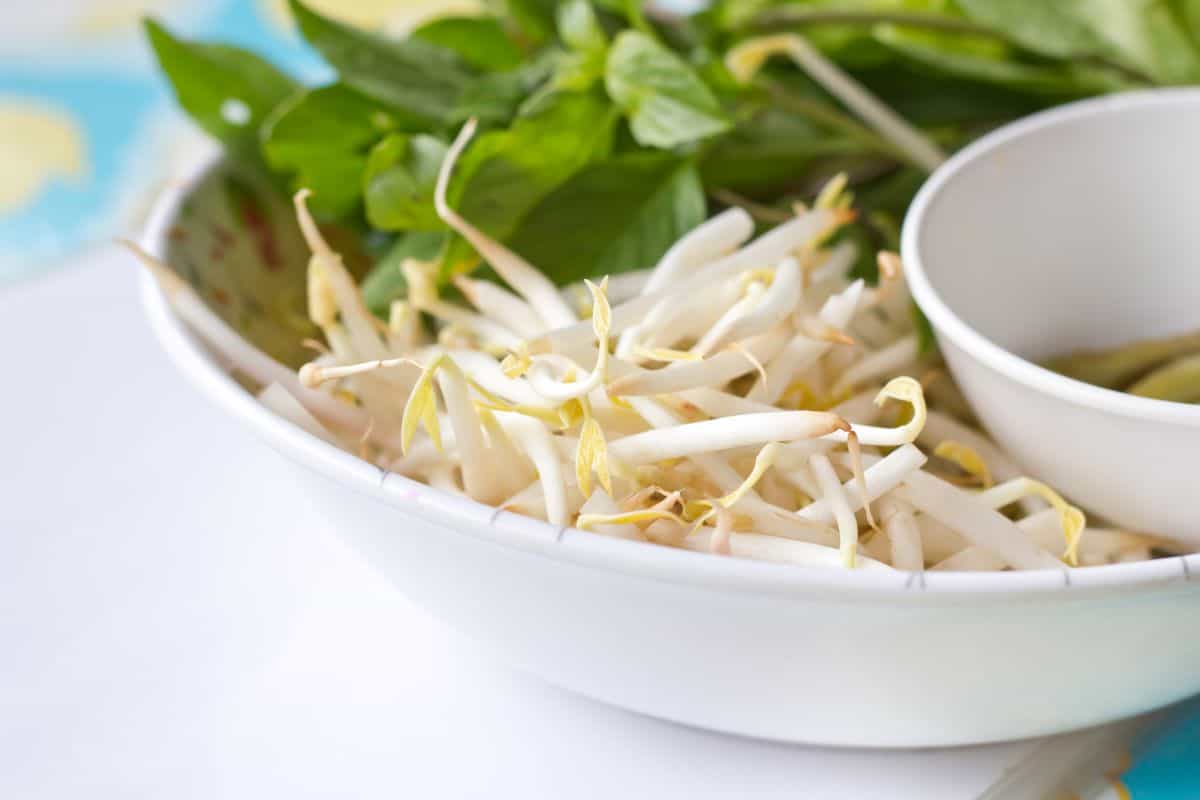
<point>743,397</point>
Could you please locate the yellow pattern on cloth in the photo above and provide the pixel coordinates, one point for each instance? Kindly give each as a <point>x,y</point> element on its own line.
<point>391,16</point>
<point>39,143</point>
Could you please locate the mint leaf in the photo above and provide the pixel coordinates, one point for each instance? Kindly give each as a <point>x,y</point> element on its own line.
<point>666,102</point>
<point>613,216</point>
<point>409,74</point>
<point>400,176</point>
<point>478,41</point>
<point>226,90</point>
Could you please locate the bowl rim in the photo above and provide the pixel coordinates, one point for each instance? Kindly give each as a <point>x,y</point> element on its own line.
<point>467,517</point>
<point>983,350</point>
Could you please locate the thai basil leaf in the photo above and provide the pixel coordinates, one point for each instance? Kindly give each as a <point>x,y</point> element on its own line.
<point>534,18</point>
<point>613,216</point>
<point>1149,36</point>
<point>331,118</point>
<point>949,55</point>
<point>504,174</point>
<point>578,27</point>
<point>495,98</point>
<point>772,149</point>
<point>226,90</point>
<point>321,136</point>
<point>420,78</point>
<point>398,185</point>
<point>478,41</point>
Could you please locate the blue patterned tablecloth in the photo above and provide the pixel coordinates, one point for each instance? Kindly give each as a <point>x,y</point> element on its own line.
<point>87,127</point>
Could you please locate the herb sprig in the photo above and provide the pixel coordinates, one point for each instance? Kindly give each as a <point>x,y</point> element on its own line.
<point>609,130</point>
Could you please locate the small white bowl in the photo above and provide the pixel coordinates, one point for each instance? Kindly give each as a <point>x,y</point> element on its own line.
<point>1074,228</point>
<point>829,656</point>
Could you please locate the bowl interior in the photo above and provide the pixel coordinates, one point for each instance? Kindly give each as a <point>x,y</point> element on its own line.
<point>234,238</point>
<point>1074,230</point>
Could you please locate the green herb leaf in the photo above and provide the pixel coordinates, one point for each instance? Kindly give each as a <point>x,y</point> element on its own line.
<point>926,341</point>
<point>504,174</point>
<point>1149,37</point>
<point>774,149</point>
<point>631,10</point>
<point>321,136</point>
<point>666,102</point>
<point>1052,29</point>
<point>614,216</point>
<point>579,28</point>
<point>534,18</point>
<point>408,74</point>
<point>400,177</point>
<point>478,41</point>
<point>955,56</point>
<point>331,118</point>
<point>386,282</point>
<point>226,90</point>
<point>495,98</point>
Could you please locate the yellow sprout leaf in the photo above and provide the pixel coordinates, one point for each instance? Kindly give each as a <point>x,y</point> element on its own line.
<point>421,409</point>
<point>517,363</point>
<point>1071,518</point>
<point>422,281</point>
<point>591,455</point>
<point>700,511</point>
<point>322,305</point>
<point>833,193</point>
<point>745,60</point>
<point>967,459</point>
<point>762,462</point>
<point>637,517</point>
<point>601,311</point>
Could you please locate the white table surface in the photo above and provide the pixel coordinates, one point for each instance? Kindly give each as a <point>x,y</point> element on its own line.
<point>174,624</point>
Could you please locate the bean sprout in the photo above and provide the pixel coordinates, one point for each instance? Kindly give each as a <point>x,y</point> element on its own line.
<point>736,403</point>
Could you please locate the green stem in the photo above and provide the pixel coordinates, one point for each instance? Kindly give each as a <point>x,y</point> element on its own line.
<point>763,213</point>
<point>771,20</point>
<point>827,115</point>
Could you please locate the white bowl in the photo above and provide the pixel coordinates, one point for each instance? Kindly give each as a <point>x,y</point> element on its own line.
<point>1074,228</point>
<point>887,659</point>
